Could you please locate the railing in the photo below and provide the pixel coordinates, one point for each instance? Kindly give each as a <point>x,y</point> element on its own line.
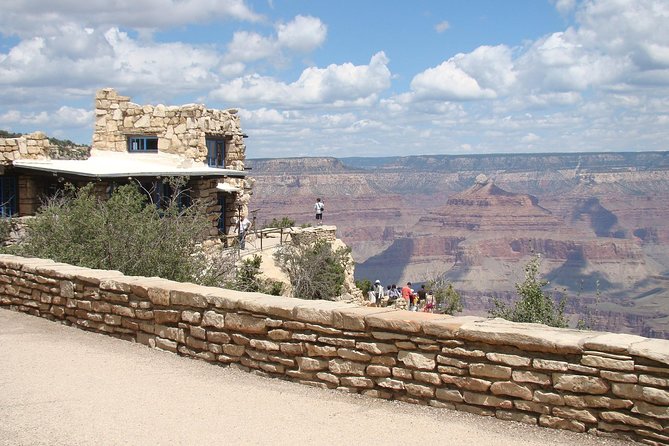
<point>233,240</point>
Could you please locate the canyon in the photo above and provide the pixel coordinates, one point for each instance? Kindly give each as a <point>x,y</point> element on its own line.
<point>600,222</point>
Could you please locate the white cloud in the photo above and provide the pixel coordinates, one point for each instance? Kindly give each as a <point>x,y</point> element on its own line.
<point>27,18</point>
<point>316,86</point>
<point>484,73</point>
<point>303,34</point>
<point>564,6</point>
<point>442,26</point>
<point>530,138</point>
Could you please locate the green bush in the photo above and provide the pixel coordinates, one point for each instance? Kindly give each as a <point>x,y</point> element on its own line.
<point>364,285</point>
<point>5,229</point>
<point>125,233</point>
<point>535,305</point>
<point>285,222</point>
<point>447,300</point>
<point>315,271</point>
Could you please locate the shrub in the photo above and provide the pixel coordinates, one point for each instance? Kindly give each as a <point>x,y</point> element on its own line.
<point>446,298</point>
<point>125,233</point>
<point>364,285</point>
<point>315,271</point>
<point>535,305</point>
<point>285,222</point>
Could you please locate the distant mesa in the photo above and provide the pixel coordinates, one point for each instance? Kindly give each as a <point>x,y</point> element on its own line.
<point>485,206</point>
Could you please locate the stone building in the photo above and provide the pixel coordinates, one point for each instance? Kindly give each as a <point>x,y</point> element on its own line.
<point>137,143</point>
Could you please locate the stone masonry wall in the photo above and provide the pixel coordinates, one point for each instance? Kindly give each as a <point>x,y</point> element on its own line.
<point>33,146</point>
<point>603,383</point>
<point>180,130</point>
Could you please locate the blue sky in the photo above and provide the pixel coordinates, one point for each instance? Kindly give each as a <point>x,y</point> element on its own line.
<point>353,78</point>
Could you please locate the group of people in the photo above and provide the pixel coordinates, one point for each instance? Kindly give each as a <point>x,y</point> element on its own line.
<point>390,296</point>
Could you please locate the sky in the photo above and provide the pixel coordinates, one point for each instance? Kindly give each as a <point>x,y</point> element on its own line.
<point>353,77</point>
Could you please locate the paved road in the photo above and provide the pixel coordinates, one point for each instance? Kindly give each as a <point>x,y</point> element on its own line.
<point>63,386</point>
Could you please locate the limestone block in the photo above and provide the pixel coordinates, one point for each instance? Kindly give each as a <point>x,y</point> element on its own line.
<point>304,337</point>
<point>465,382</point>
<point>278,334</point>
<point>340,342</point>
<point>192,317</point>
<point>654,381</point>
<point>476,410</point>
<point>357,381</point>
<point>548,398</point>
<point>532,406</point>
<point>198,332</point>
<point>320,350</point>
<point>240,339</point>
<point>449,395</point>
<point>353,355</point>
<point>561,423</point>
<point>344,367</point>
<point>528,376</point>
<point>619,377</point>
<point>377,348</point>
<point>264,345</point>
<point>405,345</point>
<point>637,392</point>
<point>583,401</point>
<point>245,323</point>
<point>511,389</point>
<point>187,298</point>
<point>172,333</point>
<point>546,364</point>
<point>401,321</point>
<point>532,337</point>
<point>422,361</point>
<point>579,383</point>
<point>448,327</point>
<point>166,344</point>
<point>419,390</point>
<point>651,410</point>
<point>575,414</point>
<point>378,370</point>
<point>452,370</point>
<point>123,311</point>
<point>167,316</point>
<point>428,377</point>
<point>490,371</point>
<point>452,362</point>
<point>512,360</point>
<point>234,350</point>
<point>256,355</point>
<point>275,306</point>
<point>607,363</point>
<point>390,383</point>
<point>328,377</point>
<point>399,372</point>
<point>196,343</point>
<point>288,348</point>
<point>460,351</point>
<point>486,400</point>
<point>655,349</point>
<point>619,417</point>
<point>213,319</point>
<point>388,361</point>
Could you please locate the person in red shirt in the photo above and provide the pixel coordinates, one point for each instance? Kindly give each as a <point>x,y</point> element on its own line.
<point>406,293</point>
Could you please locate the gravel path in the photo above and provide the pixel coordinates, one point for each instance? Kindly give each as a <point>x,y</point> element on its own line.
<point>63,386</point>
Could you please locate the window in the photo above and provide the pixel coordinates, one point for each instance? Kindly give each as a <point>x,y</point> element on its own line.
<point>216,152</point>
<point>161,193</point>
<point>142,144</point>
<point>8,196</point>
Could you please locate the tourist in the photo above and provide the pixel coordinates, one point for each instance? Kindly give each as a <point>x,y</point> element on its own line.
<point>319,207</point>
<point>406,293</point>
<point>422,294</point>
<point>242,229</point>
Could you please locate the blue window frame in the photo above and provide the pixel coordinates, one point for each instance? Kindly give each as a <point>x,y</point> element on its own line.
<point>216,152</point>
<point>142,144</point>
<point>9,194</point>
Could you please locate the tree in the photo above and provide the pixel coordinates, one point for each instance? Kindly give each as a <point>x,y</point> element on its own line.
<point>535,305</point>
<point>126,233</point>
<point>364,285</point>
<point>316,271</point>
<point>248,278</point>
<point>446,298</point>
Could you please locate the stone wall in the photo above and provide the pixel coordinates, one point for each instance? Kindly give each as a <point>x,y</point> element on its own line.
<point>33,146</point>
<point>180,130</point>
<point>603,383</point>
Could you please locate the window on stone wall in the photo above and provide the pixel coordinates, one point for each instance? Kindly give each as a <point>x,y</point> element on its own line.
<point>8,196</point>
<point>142,144</point>
<point>216,152</point>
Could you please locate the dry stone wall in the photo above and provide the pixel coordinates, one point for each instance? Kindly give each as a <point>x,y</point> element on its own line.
<point>180,130</point>
<point>603,383</point>
<point>33,146</point>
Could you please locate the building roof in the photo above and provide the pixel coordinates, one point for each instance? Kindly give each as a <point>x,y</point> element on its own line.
<point>108,164</point>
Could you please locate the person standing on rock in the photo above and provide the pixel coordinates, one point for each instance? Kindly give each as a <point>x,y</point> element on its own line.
<point>407,292</point>
<point>319,207</point>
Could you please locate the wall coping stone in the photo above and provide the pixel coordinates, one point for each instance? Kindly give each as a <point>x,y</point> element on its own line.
<point>449,327</point>
<point>401,320</point>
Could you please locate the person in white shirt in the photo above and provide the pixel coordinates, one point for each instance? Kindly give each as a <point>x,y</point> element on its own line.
<point>319,207</point>
<point>243,228</point>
